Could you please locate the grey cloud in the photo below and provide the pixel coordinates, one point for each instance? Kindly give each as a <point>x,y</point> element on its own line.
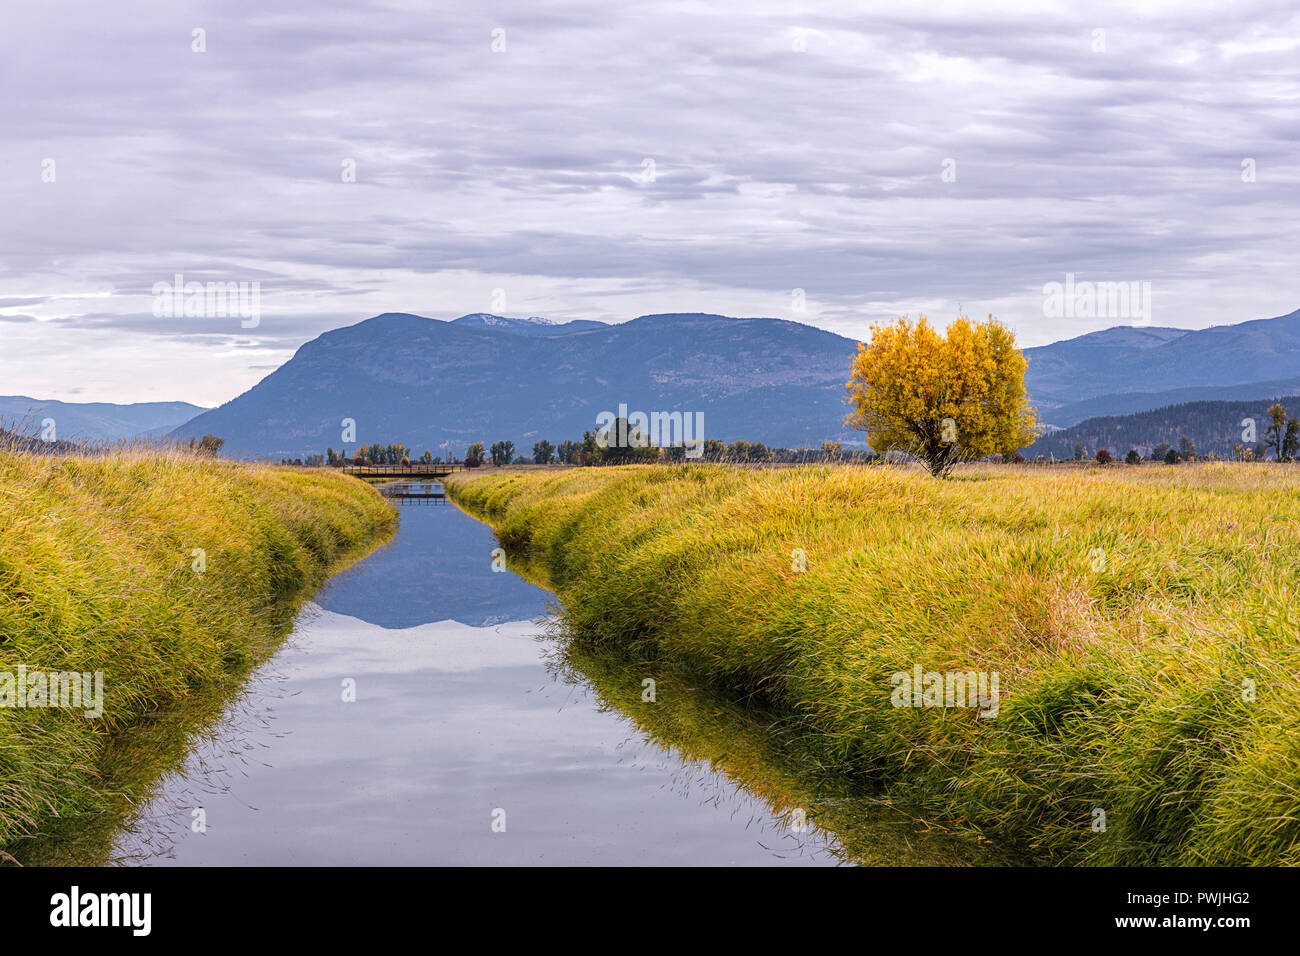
<point>775,169</point>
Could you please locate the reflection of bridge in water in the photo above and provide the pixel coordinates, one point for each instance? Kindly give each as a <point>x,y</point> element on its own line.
<point>414,493</point>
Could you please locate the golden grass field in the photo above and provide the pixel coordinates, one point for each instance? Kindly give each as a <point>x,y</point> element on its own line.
<point>97,573</point>
<point>1142,621</point>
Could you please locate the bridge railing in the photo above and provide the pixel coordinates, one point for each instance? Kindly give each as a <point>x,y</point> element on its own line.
<point>414,468</point>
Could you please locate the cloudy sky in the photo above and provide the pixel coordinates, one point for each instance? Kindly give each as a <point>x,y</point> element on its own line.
<point>601,160</point>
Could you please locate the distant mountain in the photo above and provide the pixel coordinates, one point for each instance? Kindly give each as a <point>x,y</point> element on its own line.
<point>94,421</point>
<point>534,325</point>
<point>1128,404</point>
<point>1126,360</point>
<point>442,385</point>
<point>1212,426</point>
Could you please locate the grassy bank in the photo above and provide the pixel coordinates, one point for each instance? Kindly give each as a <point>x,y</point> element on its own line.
<point>99,571</point>
<point>1142,623</point>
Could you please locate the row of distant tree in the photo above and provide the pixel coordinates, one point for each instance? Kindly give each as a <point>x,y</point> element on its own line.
<point>377,454</point>
<point>1186,451</point>
<point>1281,439</point>
<point>593,449</point>
<point>596,449</point>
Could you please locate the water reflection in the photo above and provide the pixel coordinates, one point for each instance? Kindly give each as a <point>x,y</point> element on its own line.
<point>216,759</point>
<point>405,493</point>
<point>450,725</point>
<point>720,746</point>
<point>419,699</point>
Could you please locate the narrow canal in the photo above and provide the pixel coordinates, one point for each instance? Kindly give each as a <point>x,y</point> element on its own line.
<point>421,714</point>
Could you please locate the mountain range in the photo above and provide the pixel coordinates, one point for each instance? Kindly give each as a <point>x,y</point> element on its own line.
<point>1134,402</point>
<point>442,385</point>
<point>94,421</point>
<point>1151,367</point>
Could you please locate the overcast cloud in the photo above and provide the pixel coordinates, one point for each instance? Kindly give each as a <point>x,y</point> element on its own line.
<point>794,146</point>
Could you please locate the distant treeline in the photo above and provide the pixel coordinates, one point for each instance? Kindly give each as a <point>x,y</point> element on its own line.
<point>588,451</point>
<point>1254,430</point>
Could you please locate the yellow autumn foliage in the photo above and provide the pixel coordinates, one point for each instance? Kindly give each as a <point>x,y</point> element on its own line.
<point>943,398</point>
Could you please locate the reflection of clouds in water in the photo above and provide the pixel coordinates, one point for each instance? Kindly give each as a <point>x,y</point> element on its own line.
<point>777,828</point>
<point>451,719</point>
<point>217,756</point>
<point>712,787</point>
<point>343,645</point>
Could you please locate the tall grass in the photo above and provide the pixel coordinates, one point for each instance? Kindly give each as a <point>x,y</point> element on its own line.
<point>97,573</point>
<point>1125,610</point>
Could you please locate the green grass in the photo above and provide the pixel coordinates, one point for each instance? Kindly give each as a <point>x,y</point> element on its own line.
<point>1121,688</point>
<point>97,574</point>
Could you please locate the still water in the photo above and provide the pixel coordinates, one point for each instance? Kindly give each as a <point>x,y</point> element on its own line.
<point>420,714</point>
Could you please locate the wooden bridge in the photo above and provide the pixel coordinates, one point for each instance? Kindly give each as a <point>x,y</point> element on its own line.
<point>415,471</point>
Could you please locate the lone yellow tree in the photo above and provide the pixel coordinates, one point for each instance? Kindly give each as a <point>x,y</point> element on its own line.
<point>943,399</point>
